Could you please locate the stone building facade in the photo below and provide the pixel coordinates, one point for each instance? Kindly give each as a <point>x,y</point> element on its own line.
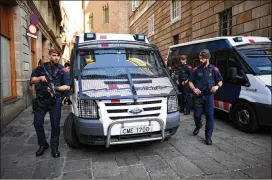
<point>106,16</point>
<point>171,22</point>
<point>21,53</point>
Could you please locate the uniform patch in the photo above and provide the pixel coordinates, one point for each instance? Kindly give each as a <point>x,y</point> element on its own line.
<point>199,74</point>
<point>209,73</point>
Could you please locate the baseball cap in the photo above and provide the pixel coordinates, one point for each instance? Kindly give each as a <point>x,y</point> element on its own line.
<point>183,57</point>
<point>205,53</point>
<point>52,50</point>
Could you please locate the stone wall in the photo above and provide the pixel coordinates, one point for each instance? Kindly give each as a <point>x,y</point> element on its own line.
<point>200,19</point>
<point>118,17</point>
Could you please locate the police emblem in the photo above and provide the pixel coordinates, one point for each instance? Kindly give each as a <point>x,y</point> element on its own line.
<point>210,74</point>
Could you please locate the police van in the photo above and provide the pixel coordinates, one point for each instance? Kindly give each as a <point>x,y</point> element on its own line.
<point>122,92</point>
<point>245,64</point>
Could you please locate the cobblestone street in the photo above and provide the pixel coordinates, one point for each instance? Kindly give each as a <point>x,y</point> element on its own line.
<point>234,155</point>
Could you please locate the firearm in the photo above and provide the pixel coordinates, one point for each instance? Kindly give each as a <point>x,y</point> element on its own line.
<point>50,81</point>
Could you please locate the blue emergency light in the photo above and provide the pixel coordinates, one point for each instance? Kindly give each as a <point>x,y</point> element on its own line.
<point>238,39</point>
<point>139,37</point>
<point>89,36</point>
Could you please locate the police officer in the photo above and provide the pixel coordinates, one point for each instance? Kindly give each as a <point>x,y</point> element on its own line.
<point>48,104</point>
<point>184,76</point>
<point>205,81</point>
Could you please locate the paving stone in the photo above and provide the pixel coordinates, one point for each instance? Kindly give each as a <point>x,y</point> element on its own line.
<point>189,150</point>
<point>262,172</point>
<point>26,161</point>
<point>11,148</point>
<point>28,150</point>
<point>48,169</point>
<point>84,174</point>
<point>209,165</point>
<point>265,156</point>
<point>105,169</point>
<point>249,159</point>
<point>229,148</point>
<point>169,153</point>
<point>164,174</point>
<point>77,155</point>
<point>227,175</point>
<point>7,161</point>
<point>77,165</point>
<point>154,163</point>
<point>134,172</point>
<point>206,149</point>
<point>126,158</point>
<point>146,151</point>
<point>117,177</point>
<point>103,156</point>
<point>184,167</point>
<point>18,172</point>
<point>248,146</point>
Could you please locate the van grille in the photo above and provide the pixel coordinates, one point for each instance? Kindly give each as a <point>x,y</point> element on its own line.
<point>120,110</point>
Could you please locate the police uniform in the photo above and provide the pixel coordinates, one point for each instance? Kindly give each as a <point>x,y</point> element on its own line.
<point>204,78</point>
<point>47,104</point>
<point>185,74</point>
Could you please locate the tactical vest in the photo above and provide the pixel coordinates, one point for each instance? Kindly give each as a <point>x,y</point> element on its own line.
<point>204,78</point>
<point>184,73</point>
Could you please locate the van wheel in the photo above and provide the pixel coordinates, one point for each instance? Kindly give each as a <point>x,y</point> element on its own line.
<point>69,133</point>
<point>244,117</point>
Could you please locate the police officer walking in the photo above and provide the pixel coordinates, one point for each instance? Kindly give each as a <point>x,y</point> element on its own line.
<point>205,81</point>
<point>184,76</point>
<point>46,103</point>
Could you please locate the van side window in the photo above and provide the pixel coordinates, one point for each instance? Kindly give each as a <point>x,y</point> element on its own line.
<point>220,61</point>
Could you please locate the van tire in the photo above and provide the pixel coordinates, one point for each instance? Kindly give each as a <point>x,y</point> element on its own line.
<point>69,133</point>
<point>244,117</point>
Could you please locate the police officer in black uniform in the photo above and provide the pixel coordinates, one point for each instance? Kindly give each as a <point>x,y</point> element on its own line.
<point>184,76</point>
<point>45,103</point>
<point>205,81</point>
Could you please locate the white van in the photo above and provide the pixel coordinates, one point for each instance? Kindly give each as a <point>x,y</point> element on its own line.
<point>122,92</point>
<point>245,64</point>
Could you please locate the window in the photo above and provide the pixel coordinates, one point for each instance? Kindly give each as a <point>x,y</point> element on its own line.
<point>225,22</point>
<point>135,5</point>
<point>91,22</point>
<point>175,39</point>
<point>220,61</point>
<point>175,10</point>
<point>151,25</point>
<point>8,77</point>
<point>106,14</point>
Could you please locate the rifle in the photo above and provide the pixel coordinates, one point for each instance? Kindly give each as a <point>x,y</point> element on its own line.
<point>50,81</point>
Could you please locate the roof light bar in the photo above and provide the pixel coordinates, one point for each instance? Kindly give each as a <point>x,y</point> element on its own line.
<point>139,37</point>
<point>238,39</point>
<point>89,36</point>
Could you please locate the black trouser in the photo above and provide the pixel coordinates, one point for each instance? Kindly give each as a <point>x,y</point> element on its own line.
<point>55,115</point>
<point>184,98</point>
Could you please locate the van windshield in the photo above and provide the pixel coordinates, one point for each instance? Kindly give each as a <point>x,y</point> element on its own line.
<point>103,58</point>
<point>258,57</point>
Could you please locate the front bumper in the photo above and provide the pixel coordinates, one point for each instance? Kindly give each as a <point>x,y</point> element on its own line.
<point>91,132</point>
<point>264,113</point>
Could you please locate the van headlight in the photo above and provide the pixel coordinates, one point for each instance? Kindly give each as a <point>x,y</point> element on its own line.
<point>88,109</point>
<point>172,104</point>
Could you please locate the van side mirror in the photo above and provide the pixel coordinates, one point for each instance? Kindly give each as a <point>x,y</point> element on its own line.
<point>232,73</point>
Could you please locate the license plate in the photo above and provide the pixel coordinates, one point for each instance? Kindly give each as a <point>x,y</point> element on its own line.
<point>135,130</point>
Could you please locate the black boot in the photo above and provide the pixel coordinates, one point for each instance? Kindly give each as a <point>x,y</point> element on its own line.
<point>42,149</point>
<point>55,152</point>
<point>208,140</point>
<point>196,130</point>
